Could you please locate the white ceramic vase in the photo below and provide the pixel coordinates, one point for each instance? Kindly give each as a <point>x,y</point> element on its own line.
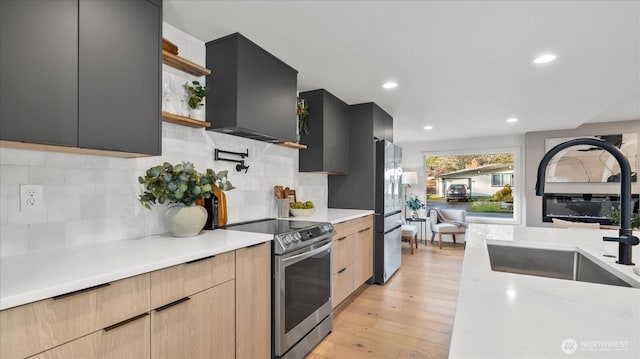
<point>185,221</point>
<point>197,114</point>
<point>414,214</point>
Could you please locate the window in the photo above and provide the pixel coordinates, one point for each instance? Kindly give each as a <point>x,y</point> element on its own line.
<point>501,179</point>
<point>484,177</point>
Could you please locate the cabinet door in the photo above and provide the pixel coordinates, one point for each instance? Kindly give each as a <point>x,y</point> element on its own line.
<point>129,340</point>
<point>199,326</point>
<point>342,252</point>
<point>119,76</point>
<point>35,327</point>
<point>342,284</point>
<point>253,300</point>
<point>362,257</point>
<point>39,71</point>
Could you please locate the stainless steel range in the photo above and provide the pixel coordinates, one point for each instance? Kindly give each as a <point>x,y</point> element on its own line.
<point>301,286</point>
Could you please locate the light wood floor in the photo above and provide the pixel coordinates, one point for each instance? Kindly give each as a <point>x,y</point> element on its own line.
<point>409,317</point>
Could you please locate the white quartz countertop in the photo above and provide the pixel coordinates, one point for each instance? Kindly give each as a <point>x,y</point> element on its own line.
<point>29,278</point>
<point>506,315</point>
<point>334,215</point>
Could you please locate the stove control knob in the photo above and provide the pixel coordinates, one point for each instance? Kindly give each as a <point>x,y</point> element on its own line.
<point>287,239</point>
<point>297,237</point>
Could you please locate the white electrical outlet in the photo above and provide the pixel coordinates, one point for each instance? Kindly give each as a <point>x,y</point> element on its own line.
<point>31,197</point>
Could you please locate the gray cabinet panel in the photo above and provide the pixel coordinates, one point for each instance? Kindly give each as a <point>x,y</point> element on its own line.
<point>120,75</point>
<point>357,189</point>
<point>328,138</point>
<point>38,71</point>
<point>252,93</point>
<point>382,124</point>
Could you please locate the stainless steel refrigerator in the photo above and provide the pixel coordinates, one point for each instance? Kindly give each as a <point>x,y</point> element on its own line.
<point>388,211</point>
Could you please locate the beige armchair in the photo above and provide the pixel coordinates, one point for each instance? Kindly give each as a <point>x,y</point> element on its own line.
<point>452,221</point>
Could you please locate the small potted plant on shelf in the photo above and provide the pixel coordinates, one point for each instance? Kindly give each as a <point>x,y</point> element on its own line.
<point>180,186</point>
<point>195,94</point>
<point>414,203</point>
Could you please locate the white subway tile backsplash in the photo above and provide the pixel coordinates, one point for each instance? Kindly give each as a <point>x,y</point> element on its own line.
<point>13,239</point>
<point>46,236</point>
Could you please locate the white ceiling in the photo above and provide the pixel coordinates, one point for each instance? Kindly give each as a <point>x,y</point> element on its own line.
<point>463,67</point>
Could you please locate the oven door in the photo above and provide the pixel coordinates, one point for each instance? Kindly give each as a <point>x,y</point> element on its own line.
<point>302,293</point>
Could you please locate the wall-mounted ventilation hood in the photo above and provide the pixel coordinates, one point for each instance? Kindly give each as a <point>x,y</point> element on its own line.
<point>252,93</point>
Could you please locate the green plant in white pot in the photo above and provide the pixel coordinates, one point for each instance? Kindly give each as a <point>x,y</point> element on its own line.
<point>181,186</point>
<point>195,94</point>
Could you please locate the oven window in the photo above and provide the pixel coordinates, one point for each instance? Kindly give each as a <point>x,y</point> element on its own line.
<point>307,288</point>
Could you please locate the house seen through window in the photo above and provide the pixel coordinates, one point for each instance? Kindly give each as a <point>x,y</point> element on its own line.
<point>481,184</point>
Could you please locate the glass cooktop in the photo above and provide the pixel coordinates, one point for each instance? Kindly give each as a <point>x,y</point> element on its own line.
<point>272,226</point>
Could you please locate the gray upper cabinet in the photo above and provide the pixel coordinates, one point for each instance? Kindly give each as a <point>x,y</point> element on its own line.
<point>251,92</point>
<point>357,189</point>
<point>39,71</point>
<point>382,124</point>
<point>328,138</point>
<point>82,74</point>
<point>120,75</point>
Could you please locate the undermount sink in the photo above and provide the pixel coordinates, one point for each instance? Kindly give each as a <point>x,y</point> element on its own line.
<point>569,265</point>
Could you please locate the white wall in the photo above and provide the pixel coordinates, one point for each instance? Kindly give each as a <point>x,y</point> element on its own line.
<point>93,199</point>
<point>413,155</point>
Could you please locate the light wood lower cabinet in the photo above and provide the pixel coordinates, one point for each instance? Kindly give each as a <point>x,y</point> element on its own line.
<point>253,301</point>
<point>32,328</point>
<point>362,256</point>
<point>216,307</point>
<point>127,341</point>
<point>198,326</point>
<point>352,256</point>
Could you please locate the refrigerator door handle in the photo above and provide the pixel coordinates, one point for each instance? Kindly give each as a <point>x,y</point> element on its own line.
<point>393,229</point>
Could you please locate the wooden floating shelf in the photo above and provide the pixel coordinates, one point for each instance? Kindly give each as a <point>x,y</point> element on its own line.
<point>297,146</point>
<point>185,121</point>
<point>184,64</point>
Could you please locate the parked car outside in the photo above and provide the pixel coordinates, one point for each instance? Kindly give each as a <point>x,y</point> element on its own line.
<point>459,192</point>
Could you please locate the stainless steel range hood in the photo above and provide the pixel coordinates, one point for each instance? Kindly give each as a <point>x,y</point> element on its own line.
<point>252,93</point>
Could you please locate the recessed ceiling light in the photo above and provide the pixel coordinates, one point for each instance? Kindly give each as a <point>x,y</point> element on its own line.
<point>390,85</point>
<point>428,127</point>
<point>543,59</point>
<point>512,120</point>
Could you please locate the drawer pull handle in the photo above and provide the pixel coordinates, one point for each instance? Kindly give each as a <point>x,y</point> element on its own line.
<point>200,260</point>
<point>342,270</point>
<point>341,238</point>
<point>167,306</point>
<point>127,321</point>
<point>61,296</point>
<point>363,230</point>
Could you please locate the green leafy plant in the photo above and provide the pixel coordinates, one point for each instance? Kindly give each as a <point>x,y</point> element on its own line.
<point>195,94</point>
<point>614,216</point>
<point>414,203</point>
<point>180,184</point>
<point>505,194</point>
<point>303,116</point>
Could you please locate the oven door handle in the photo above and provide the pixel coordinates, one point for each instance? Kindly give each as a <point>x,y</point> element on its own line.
<point>298,257</point>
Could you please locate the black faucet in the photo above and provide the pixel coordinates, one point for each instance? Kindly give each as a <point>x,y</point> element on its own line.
<point>626,239</point>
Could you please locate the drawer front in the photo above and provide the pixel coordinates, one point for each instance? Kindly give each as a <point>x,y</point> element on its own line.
<point>343,229</point>
<point>342,284</point>
<point>36,327</point>
<point>342,252</point>
<point>173,283</point>
<point>362,257</point>
<point>128,341</point>
<point>362,223</point>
